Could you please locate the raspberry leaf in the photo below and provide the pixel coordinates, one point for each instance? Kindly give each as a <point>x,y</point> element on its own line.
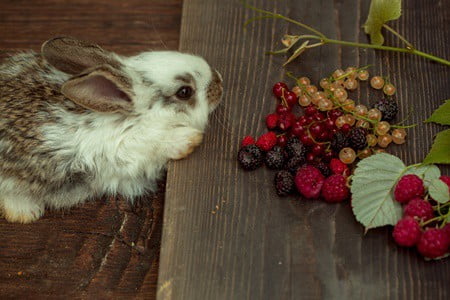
<point>441,115</point>
<point>439,191</point>
<point>431,174</point>
<point>439,153</point>
<point>372,190</point>
<point>380,12</point>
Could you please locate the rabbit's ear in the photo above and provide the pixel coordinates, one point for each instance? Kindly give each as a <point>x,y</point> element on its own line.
<point>73,56</point>
<point>102,89</point>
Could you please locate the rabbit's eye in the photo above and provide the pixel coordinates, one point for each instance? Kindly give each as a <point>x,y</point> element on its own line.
<point>185,92</point>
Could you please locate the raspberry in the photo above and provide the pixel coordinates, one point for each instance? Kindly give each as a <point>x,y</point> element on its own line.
<point>323,168</point>
<point>407,232</point>
<point>447,230</point>
<point>335,189</point>
<point>408,187</point>
<point>272,121</point>
<point>250,157</point>
<point>284,183</point>
<point>309,181</point>
<point>338,142</point>
<point>388,108</point>
<point>295,148</point>
<point>267,141</point>
<point>276,158</point>
<point>357,138</point>
<point>445,179</point>
<point>419,208</point>
<point>248,140</point>
<point>433,243</point>
<point>338,167</point>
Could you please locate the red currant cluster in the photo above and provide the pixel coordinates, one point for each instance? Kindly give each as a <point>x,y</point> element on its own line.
<point>425,223</point>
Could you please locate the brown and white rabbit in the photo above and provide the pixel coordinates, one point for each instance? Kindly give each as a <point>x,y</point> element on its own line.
<point>77,122</point>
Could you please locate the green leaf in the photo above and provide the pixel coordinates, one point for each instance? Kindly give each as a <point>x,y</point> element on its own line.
<point>297,52</point>
<point>441,115</point>
<point>440,151</point>
<point>431,174</point>
<point>439,191</point>
<point>380,12</point>
<point>372,183</point>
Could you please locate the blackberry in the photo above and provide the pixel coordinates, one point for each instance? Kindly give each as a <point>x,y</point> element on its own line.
<point>339,141</point>
<point>276,158</point>
<point>294,163</point>
<point>250,157</point>
<point>284,183</point>
<point>388,108</point>
<point>295,148</point>
<point>357,138</point>
<point>323,168</point>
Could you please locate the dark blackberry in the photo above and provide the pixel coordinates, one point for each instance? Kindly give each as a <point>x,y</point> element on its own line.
<point>276,158</point>
<point>284,183</point>
<point>357,138</point>
<point>339,141</point>
<point>295,148</point>
<point>323,168</point>
<point>388,108</point>
<point>250,157</point>
<point>294,163</point>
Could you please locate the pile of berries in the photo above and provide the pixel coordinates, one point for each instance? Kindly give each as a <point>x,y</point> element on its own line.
<point>425,223</point>
<point>331,134</point>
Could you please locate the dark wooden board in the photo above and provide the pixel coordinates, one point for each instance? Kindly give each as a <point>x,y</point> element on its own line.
<point>226,234</point>
<point>87,252</point>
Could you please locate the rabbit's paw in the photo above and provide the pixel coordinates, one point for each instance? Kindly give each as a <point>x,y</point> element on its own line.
<point>21,210</point>
<point>186,146</point>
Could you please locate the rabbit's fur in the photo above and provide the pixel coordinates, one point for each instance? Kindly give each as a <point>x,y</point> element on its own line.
<point>77,122</point>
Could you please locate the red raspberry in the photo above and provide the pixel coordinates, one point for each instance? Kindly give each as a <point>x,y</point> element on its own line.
<point>335,188</point>
<point>433,243</point>
<point>445,179</point>
<point>309,181</point>
<point>447,230</point>
<point>272,120</point>
<point>267,141</point>
<point>407,232</point>
<point>419,208</point>
<point>408,187</point>
<point>248,140</point>
<point>338,167</point>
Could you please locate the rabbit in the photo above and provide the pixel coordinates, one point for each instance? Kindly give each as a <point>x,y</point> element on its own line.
<point>79,122</point>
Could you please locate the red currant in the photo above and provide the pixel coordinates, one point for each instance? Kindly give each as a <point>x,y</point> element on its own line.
<point>316,129</point>
<point>290,97</point>
<point>346,128</point>
<point>282,140</point>
<point>310,110</point>
<point>319,116</point>
<point>281,109</point>
<point>310,157</point>
<point>306,140</point>
<point>318,149</point>
<point>298,129</point>
<point>328,155</point>
<point>278,89</point>
<point>334,114</point>
<point>329,123</point>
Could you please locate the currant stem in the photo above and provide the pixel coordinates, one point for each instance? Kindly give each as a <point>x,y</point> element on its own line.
<point>388,48</point>
<point>393,31</point>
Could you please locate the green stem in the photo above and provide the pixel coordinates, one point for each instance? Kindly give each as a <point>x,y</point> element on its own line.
<point>408,44</point>
<point>404,126</point>
<point>388,48</point>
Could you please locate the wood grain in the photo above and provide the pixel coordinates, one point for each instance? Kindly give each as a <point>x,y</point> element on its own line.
<point>104,249</point>
<point>226,234</point>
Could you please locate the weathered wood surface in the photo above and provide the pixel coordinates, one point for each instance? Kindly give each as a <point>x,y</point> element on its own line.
<point>226,234</point>
<point>87,252</point>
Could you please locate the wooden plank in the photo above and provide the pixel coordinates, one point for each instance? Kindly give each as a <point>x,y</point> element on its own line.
<point>226,234</point>
<point>87,252</point>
